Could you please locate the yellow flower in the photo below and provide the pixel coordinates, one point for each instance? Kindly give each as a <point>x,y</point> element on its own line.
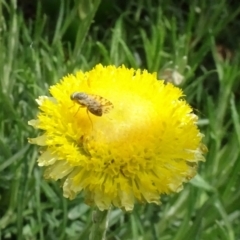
<point>146,145</point>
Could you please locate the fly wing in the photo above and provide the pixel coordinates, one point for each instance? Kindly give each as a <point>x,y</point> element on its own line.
<point>103,104</point>
<point>107,107</point>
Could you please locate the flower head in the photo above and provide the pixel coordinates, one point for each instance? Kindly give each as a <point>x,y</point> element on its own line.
<point>119,135</point>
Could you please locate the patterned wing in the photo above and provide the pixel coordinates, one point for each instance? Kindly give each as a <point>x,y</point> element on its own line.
<point>99,105</point>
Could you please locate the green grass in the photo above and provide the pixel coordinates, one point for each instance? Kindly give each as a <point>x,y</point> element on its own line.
<point>36,53</point>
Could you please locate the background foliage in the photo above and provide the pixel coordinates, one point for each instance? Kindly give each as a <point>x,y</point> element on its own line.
<point>194,43</point>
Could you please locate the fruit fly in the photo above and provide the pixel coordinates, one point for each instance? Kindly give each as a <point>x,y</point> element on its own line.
<point>95,104</point>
